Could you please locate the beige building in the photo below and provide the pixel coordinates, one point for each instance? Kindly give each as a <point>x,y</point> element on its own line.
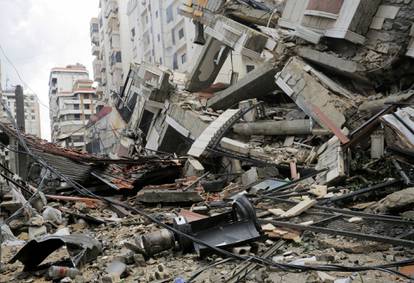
<point>72,100</point>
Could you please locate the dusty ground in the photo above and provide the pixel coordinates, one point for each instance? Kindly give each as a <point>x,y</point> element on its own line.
<point>167,266</point>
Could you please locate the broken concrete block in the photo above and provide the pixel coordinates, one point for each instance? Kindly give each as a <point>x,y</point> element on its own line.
<point>329,61</point>
<point>268,227</point>
<point>115,270</point>
<point>53,215</point>
<point>396,201</point>
<point>319,190</point>
<point>250,177</point>
<point>259,82</point>
<point>236,146</point>
<point>325,277</point>
<point>37,232</point>
<point>299,208</point>
<point>387,11</point>
<point>168,196</point>
<point>255,174</point>
<point>11,206</point>
<point>193,167</point>
<point>244,251</point>
<point>310,95</point>
<point>246,104</point>
<point>331,157</point>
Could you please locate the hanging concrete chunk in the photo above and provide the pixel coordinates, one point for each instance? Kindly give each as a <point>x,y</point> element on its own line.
<point>259,82</point>
<point>309,94</point>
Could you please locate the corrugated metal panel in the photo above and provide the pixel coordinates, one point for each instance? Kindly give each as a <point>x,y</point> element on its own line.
<point>71,169</point>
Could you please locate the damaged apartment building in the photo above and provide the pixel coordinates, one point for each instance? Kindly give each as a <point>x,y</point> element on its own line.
<point>322,70</point>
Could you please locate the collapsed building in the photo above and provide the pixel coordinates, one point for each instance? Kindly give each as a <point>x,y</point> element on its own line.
<point>318,136</point>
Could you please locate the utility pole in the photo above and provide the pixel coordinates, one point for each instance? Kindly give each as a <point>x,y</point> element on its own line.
<point>22,157</point>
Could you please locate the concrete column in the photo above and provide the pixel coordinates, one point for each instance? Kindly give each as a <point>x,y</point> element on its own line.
<point>208,65</point>
<point>22,157</point>
<point>278,128</point>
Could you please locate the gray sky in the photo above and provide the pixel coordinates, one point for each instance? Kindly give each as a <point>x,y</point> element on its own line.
<point>38,35</point>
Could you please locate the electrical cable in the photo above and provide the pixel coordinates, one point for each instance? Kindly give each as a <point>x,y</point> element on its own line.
<point>21,78</point>
<point>27,203</point>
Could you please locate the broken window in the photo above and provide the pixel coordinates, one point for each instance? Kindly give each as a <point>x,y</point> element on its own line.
<point>170,13</point>
<point>184,58</point>
<point>145,123</point>
<point>173,36</point>
<point>179,146</point>
<point>181,33</point>
<point>249,68</point>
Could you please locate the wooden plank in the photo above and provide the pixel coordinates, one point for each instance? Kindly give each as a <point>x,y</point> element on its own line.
<point>299,208</point>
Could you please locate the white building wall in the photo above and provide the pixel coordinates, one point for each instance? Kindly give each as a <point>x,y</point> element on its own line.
<point>159,35</point>
<point>31,110</point>
<point>112,46</point>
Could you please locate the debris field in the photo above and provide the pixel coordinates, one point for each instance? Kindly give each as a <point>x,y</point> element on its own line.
<point>300,171</point>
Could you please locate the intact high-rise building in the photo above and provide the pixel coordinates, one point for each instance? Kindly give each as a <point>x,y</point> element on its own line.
<point>72,101</point>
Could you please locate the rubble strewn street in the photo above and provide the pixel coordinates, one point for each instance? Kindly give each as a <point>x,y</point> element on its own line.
<point>300,171</point>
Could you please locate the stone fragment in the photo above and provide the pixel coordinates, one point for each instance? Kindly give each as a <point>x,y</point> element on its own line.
<point>397,201</point>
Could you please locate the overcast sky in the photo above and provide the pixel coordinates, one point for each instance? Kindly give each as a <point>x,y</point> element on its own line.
<point>38,35</point>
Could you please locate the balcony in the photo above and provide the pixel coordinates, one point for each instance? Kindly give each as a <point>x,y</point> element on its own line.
<point>95,38</point>
<point>116,59</point>
<point>113,26</point>
<point>95,50</point>
<point>97,77</point>
<point>115,42</point>
<point>75,111</point>
<point>94,26</point>
<point>111,9</point>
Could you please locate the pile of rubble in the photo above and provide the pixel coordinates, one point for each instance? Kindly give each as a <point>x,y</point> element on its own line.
<point>301,171</point>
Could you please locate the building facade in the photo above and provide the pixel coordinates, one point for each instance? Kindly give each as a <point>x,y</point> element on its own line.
<point>31,110</point>
<point>111,47</point>
<point>144,31</point>
<point>159,34</point>
<point>72,100</point>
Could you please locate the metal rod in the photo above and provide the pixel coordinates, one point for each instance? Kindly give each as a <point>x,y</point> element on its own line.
<point>376,217</point>
<point>247,267</point>
<point>362,191</point>
<point>196,181</point>
<point>336,232</point>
